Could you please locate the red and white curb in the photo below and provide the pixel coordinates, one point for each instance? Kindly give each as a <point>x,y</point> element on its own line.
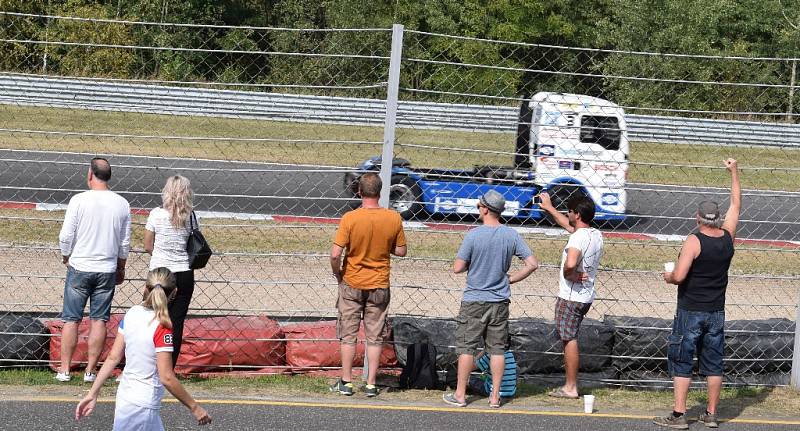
<point>547,231</point>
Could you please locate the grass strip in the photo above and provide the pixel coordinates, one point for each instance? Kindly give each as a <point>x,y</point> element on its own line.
<point>21,227</point>
<point>774,403</point>
<point>346,146</point>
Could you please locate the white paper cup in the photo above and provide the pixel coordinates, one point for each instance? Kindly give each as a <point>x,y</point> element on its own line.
<point>588,403</point>
<point>669,267</point>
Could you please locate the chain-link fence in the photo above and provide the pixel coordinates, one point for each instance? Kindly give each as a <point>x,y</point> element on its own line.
<point>273,125</point>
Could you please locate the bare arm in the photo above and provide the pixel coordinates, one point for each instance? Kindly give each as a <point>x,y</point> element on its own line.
<point>531,264</point>
<point>400,238</point>
<point>87,404</point>
<point>149,241</point>
<point>459,266</point>
<point>547,205</point>
<point>571,272</point>
<point>336,262</point>
<point>732,216</point>
<point>168,379</point>
<point>689,251</point>
<point>400,251</point>
<point>120,276</point>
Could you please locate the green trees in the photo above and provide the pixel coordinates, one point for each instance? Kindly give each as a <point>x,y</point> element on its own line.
<point>434,66</point>
<point>715,28</point>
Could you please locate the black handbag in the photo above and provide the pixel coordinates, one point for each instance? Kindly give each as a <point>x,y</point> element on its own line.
<point>196,246</point>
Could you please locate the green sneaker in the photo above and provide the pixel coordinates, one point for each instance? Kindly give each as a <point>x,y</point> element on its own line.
<point>342,388</point>
<point>709,420</point>
<point>371,391</point>
<point>671,421</point>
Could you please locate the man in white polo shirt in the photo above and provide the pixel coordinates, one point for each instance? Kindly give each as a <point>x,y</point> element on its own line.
<point>94,241</point>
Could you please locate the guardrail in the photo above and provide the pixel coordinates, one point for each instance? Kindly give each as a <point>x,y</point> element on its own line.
<point>33,90</point>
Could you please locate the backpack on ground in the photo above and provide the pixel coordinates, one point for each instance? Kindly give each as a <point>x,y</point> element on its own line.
<point>420,369</point>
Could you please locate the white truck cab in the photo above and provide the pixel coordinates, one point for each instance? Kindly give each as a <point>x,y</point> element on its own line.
<point>579,142</point>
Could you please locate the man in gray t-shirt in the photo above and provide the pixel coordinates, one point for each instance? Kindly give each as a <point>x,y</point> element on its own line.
<point>483,319</point>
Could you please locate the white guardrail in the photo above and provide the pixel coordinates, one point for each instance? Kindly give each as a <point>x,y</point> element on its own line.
<point>32,90</point>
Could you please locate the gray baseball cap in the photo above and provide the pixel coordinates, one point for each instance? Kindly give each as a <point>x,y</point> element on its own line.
<point>708,211</point>
<point>494,201</point>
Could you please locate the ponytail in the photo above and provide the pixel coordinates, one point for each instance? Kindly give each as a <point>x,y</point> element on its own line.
<point>160,288</point>
<point>160,304</point>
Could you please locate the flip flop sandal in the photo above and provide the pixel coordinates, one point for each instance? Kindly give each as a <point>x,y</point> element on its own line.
<point>559,393</point>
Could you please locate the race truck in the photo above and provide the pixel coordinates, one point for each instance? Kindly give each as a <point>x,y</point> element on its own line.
<point>566,144</point>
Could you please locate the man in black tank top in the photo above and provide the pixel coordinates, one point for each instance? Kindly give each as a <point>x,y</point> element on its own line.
<point>702,277</point>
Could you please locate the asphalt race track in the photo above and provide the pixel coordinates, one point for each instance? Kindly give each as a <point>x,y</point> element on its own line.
<point>51,177</point>
<point>259,415</point>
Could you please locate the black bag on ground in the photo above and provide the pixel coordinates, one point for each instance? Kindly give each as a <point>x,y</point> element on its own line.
<point>420,369</point>
<point>196,246</point>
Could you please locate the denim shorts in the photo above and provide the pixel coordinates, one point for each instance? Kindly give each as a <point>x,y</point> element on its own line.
<point>97,287</point>
<point>696,333</point>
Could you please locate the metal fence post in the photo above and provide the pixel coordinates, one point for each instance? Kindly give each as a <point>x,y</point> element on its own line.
<point>392,91</point>
<point>391,112</point>
<point>796,356</point>
<point>790,110</point>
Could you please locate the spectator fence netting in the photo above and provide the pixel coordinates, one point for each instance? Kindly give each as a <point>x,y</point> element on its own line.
<point>271,125</point>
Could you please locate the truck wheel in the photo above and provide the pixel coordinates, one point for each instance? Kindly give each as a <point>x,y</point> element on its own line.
<point>351,189</point>
<point>560,195</point>
<point>351,183</point>
<point>405,196</point>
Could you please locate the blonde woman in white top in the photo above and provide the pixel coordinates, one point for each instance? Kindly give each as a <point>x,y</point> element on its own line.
<point>165,237</point>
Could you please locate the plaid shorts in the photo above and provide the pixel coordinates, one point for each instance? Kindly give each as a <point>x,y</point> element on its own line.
<point>569,315</point>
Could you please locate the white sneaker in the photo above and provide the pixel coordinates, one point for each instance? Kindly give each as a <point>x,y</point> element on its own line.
<point>63,377</point>
<point>89,377</point>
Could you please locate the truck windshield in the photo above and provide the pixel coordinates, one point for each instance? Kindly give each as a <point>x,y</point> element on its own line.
<point>603,131</point>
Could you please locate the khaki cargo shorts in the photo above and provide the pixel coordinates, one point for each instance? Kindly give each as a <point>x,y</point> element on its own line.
<point>357,304</point>
<point>482,324</point>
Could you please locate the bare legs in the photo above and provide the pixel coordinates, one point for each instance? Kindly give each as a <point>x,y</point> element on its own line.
<point>571,365</point>
<point>681,385</point>
<point>373,359</point>
<point>69,340</point>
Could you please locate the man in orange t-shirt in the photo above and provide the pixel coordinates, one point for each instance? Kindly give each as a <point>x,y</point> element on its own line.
<point>370,234</point>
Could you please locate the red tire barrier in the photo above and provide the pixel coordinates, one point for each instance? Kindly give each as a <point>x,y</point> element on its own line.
<point>232,343</point>
<point>314,345</point>
<point>81,354</point>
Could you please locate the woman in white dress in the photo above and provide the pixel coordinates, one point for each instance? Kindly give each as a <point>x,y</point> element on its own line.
<point>165,236</point>
<point>144,339</point>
